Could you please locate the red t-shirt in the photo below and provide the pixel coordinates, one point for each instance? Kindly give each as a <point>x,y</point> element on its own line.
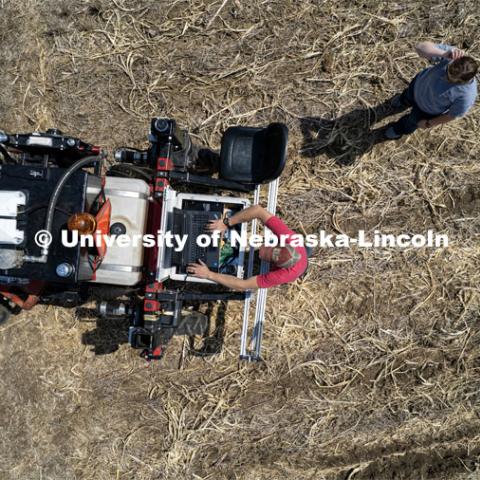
<point>278,276</point>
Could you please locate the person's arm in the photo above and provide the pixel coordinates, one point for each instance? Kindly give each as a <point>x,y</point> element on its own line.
<point>431,51</point>
<point>202,271</point>
<point>433,122</point>
<point>245,215</point>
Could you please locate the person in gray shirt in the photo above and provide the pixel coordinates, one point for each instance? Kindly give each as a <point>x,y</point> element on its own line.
<point>438,94</point>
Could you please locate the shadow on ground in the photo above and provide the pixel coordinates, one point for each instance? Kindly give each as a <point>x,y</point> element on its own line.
<point>107,335</point>
<point>346,137</point>
<point>213,337</point>
<point>205,331</point>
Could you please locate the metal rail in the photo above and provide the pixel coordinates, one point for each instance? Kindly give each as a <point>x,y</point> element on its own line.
<point>254,352</point>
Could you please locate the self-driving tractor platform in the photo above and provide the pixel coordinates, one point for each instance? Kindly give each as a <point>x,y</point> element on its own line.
<point>56,190</point>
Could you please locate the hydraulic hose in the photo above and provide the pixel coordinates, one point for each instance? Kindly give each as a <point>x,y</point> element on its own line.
<point>52,205</point>
<point>59,187</point>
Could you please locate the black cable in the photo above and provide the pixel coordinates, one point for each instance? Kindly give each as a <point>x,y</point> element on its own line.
<point>28,211</point>
<point>59,187</point>
<point>95,207</point>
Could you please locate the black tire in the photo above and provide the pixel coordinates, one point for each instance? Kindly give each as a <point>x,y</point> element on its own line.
<point>193,323</point>
<point>4,314</point>
<point>127,170</point>
<point>206,161</point>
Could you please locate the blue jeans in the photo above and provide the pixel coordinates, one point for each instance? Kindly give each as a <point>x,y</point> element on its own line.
<point>409,123</point>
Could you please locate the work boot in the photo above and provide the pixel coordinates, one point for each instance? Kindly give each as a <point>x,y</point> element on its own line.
<point>391,134</point>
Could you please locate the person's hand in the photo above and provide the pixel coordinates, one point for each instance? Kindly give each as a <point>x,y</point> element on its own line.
<point>423,124</point>
<point>216,226</point>
<point>454,54</point>
<point>199,269</point>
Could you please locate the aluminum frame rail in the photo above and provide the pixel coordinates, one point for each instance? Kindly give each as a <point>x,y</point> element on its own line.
<point>252,352</point>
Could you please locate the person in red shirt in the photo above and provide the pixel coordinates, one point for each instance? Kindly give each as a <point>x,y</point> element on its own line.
<point>288,262</point>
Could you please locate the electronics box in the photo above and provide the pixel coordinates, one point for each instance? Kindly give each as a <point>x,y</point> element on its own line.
<point>172,200</point>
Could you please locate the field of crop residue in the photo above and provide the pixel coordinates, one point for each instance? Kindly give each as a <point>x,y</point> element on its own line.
<point>372,360</point>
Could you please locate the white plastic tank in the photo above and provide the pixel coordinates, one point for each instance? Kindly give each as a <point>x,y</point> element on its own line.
<point>123,265</point>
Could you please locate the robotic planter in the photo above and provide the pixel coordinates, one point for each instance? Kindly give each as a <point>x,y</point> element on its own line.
<point>52,187</point>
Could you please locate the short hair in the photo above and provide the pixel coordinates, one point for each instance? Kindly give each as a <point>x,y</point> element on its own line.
<point>463,69</point>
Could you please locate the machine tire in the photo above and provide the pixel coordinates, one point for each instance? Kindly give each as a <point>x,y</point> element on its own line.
<point>127,170</point>
<point>192,324</point>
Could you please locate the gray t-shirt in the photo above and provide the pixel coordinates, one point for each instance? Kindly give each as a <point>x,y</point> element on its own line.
<point>434,94</point>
